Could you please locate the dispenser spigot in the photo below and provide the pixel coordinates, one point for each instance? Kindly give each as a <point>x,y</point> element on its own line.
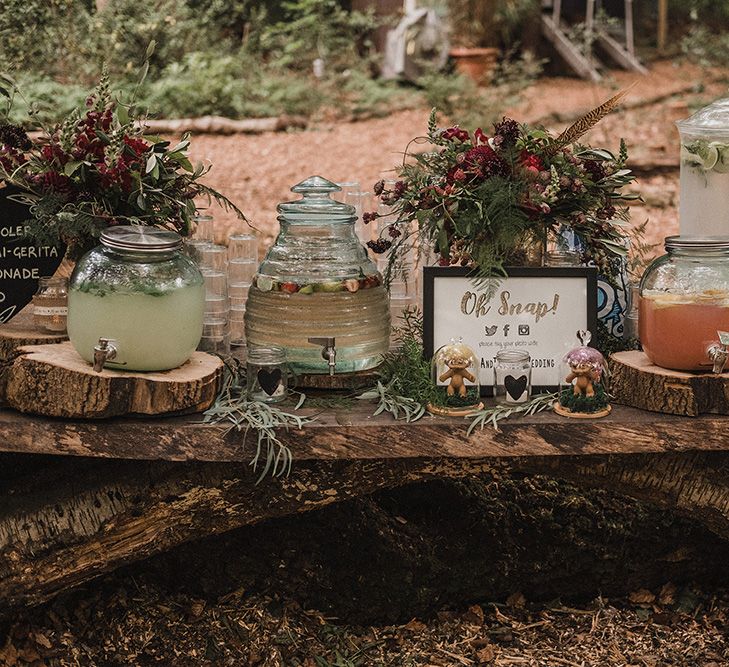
<point>103,352</point>
<point>719,352</point>
<point>328,351</point>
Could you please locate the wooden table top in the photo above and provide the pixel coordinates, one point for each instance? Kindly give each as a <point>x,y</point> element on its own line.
<point>353,433</point>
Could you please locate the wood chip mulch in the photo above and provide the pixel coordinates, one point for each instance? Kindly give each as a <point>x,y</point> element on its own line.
<point>134,624</point>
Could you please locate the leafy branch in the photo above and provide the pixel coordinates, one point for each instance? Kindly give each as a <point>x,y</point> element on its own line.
<point>491,416</point>
<point>390,401</point>
<point>233,406</point>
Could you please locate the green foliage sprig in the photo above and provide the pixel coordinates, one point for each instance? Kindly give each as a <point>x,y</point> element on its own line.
<point>491,416</point>
<point>233,407</point>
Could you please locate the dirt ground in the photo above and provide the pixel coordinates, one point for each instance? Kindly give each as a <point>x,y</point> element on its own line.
<point>256,171</point>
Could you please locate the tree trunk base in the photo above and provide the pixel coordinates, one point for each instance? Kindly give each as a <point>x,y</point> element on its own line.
<point>636,382</point>
<point>54,381</point>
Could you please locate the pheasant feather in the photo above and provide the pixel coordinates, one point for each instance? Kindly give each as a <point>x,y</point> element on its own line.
<point>588,121</point>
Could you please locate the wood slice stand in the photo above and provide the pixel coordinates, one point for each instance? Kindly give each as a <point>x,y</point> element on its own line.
<point>636,382</point>
<point>338,381</point>
<point>54,381</point>
<point>21,331</point>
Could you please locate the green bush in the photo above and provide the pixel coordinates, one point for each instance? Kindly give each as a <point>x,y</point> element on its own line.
<point>43,36</point>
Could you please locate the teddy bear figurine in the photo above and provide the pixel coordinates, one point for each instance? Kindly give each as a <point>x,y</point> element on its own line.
<point>585,395</point>
<point>457,373</point>
<point>582,377</point>
<point>454,374</point>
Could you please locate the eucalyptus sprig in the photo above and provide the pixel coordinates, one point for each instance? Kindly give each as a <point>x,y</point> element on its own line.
<point>388,400</point>
<point>243,414</point>
<point>491,416</point>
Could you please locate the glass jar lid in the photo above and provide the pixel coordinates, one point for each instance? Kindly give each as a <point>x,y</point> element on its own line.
<point>709,244</point>
<point>712,120</point>
<point>316,205</point>
<point>142,239</point>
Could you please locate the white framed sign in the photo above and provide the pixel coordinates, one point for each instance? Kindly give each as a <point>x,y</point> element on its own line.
<point>537,310</point>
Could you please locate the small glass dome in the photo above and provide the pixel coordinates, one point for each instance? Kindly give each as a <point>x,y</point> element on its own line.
<point>454,373</point>
<point>583,385</point>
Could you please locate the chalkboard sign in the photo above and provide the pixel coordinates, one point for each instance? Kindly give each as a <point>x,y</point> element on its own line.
<point>22,262</point>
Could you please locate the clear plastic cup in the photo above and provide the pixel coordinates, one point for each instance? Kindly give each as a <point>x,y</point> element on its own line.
<point>213,257</point>
<point>243,246</point>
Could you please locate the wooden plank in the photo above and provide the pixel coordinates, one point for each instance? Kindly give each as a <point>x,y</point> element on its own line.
<point>568,50</point>
<point>662,25</point>
<point>620,55</point>
<point>354,434</point>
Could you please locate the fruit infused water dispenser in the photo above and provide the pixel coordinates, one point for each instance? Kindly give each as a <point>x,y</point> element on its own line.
<point>317,294</point>
<point>704,198</point>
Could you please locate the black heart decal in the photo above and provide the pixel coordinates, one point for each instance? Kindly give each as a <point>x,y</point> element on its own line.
<point>515,388</point>
<point>269,380</point>
<point>22,262</point>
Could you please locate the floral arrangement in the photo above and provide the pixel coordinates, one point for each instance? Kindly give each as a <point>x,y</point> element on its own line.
<point>96,169</point>
<point>483,201</point>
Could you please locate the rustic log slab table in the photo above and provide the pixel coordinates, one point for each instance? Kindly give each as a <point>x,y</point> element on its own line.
<point>80,498</point>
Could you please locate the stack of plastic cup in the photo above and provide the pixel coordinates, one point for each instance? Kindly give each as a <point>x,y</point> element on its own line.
<point>242,266</point>
<point>216,332</point>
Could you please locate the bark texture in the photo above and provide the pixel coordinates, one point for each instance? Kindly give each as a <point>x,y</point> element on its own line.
<point>635,381</point>
<point>53,380</point>
<point>412,551</point>
<point>67,520</point>
<point>16,334</point>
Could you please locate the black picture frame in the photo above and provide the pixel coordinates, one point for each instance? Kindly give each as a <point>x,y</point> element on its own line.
<point>433,273</point>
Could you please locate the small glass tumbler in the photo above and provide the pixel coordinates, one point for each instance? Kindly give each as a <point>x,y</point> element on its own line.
<point>243,246</point>
<point>236,320</point>
<point>241,271</point>
<point>267,374</point>
<point>512,377</point>
<point>216,293</point>
<point>215,337</point>
<point>50,304</point>
<point>346,188</point>
<point>213,257</point>
<point>203,227</point>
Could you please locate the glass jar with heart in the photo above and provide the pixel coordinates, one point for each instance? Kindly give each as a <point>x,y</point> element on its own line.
<point>512,377</point>
<point>267,374</point>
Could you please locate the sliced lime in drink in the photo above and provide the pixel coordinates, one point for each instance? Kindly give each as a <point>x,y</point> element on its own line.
<point>700,154</point>
<point>329,287</point>
<point>721,165</point>
<point>264,283</point>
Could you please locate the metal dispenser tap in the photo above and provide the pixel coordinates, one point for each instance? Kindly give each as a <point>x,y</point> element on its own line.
<point>719,352</point>
<point>328,351</point>
<point>103,352</point>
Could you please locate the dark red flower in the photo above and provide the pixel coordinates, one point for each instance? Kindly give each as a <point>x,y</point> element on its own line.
<point>379,246</point>
<point>484,162</point>
<point>139,146</point>
<point>531,162</point>
<point>508,130</point>
<point>455,133</point>
<point>480,138</point>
